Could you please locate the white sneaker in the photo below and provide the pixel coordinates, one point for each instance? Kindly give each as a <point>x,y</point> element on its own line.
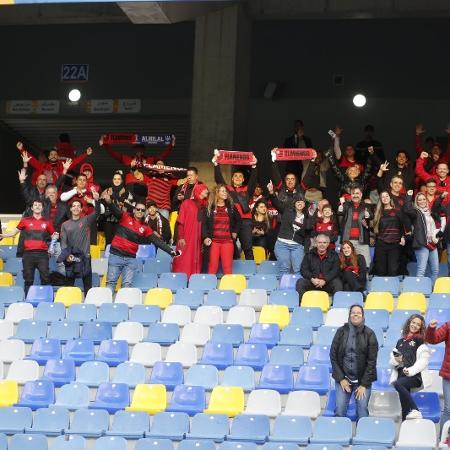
<point>414,414</point>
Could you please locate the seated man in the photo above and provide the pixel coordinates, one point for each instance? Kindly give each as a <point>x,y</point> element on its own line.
<point>320,269</point>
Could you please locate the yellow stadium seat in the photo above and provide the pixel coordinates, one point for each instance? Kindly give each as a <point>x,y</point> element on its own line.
<point>444,256</point>
<point>118,284</point>
<point>6,279</point>
<point>7,241</point>
<point>442,285</point>
<point>150,398</point>
<point>95,252</point>
<point>1,264</point>
<point>259,254</point>
<point>412,300</point>
<point>12,225</point>
<point>69,295</point>
<point>161,297</point>
<point>172,221</point>
<point>16,239</point>
<point>227,400</point>
<point>101,240</point>
<point>9,393</point>
<point>233,282</point>
<point>380,300</point>
<point>316,299</point>
<point>278,314</point>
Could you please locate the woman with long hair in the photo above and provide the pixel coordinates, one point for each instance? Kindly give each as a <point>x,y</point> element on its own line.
<point>353,268</point>
<point>409,359</point>
<point>262,232</point>
<point>219,231</point>
<point>388,227</point>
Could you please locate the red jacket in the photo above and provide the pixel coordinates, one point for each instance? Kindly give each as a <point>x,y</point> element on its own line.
<point>441,185</point>
<point>126,159</point>
<point>445,156</point>
<point>441,334</point>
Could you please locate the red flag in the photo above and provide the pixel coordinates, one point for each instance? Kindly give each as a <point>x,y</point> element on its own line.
<point>293,154</point>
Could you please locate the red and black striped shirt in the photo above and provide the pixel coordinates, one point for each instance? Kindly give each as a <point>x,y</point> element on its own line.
<point>221,225</point>
<point>36,233</point>
<point>159,190</point>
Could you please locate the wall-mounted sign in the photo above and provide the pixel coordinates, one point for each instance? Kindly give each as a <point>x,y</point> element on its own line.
<point>32,107</point>
<point>100,106</point>
<point>75,72</point>
<point>109,106</point>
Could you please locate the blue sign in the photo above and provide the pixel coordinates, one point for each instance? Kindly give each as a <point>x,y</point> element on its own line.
<point>75,72</point>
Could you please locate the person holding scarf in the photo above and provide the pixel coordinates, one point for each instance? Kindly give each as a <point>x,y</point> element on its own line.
<point>409,360</point>
<point>189,234</point>
<point>353,268</point>
<point>157,222</point>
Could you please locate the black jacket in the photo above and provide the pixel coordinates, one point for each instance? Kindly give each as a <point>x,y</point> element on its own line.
<point>78,268</point>
<point>367,351</point>
<point>208,222</point>
<point>312,266</point>
<point>362,273</point>
<point>346,215</point>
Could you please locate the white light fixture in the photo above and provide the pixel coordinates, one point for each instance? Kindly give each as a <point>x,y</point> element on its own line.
<point>359,100</point>
<point>74,95</point>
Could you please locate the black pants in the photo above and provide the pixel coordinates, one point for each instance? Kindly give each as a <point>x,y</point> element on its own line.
<point>87,279</point>
<point>246,238</point>
<point>305,285</point>
<point>351,283</point>
<point>403,386</point>
<point>386,259</point>
<point>31,261</point>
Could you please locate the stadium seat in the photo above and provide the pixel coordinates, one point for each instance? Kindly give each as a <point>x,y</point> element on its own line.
<point>330,407</point>
<point>99,266</point>
<point>385,284</point>
<point>412,300</point>
<point>332,430</point>
<point>157,444</point>
<point>129,373</point>
<point>145,281</point>
<point>383,357</point>
<point>279,446</point>
<point>249,428</point>
<point>437,356</point>
<point>8,251</point>
<point>235,282</point>
<point>161,297</point>
<point>59,371</point>
<point>188,399</point>
<point>191,444</point>
<point>112,397</point>
<point>259,254</point>
<point>19,311</point>
<point>244,267</point>
<point>179,314</point>
<point>319,355</point>
<point>240,376</point>
<point>95,251</point>
<point>28,330</point>
<point>9,393</point>
<point>72,442</point>
<point>130,296</point>
<point>316,299</point>
<point>213,427</point>
<point>289,281</point>
<point>264,401</point>
<point>303,403</point>
<point>96,331</point>
<point>325,335</point>
<point>336,317</point>
<point>6,279</point>
<point>169,425</point>
<point>110,443</point>
<point>131,332</point>
<point>11,294</point>
<point>264,333</point>
<point>233,334</point>
<point>146,353</point>
<point>228,400</point>
<point>28,442</point>
<point>344,299</point>
<point>224,299</point>
<point>242,315</point>
<point>172,281</point>
<point>163,333</point>
<point>291,429</point>
<point>278,314</point>
<point>40,294</point>
<point>383,379</point>
<point>93,373</point>
<point>417,433</point>
<point>428,404</point>
<point>417,284</point>
<point>291,355</point>
<point>439,301</point>
<point>253,355</point>
<point>89,423</point>
<point>375,431</point>
<point>442,285</point>
<point>269,268</point>
<point>255,298</point>
<point>203,375</point>
<point>81,313</point>
<point>313,378</point>
<point>44,349</point>
<point>209,315</point>
<point>296,335</point>
<point>230,445</point>
<point>157,265</point>
<point>145,314</point>
<point>399,316</point>
<point>263,281</point>
<point>196,333</point>
<point>23,370</point>
<point>150,398</point>
<point>13,265</point>
<point>49,421</point>
<point>385,404</point>
<point>12,350</point>
<point>80,350</point>
<point>112,352</point>
<point>217,354</point>
<point>441,315</point>
<point>50,312</point>
<point>436,383</point>
<point>113,313</point>
<point>189,297</point>
<point>64,330</point>
<point>376,318</point>
<point>307,317</point>
<point>37,394</point>
<point>168,373</point>
<point>278,377</point>
<point>15,419</point>
<point>203,282</point>
<point>182,352</point>
<point>129,425</point>
<point>68,295</point>
<point>380,300</point>
<point>284,297</point>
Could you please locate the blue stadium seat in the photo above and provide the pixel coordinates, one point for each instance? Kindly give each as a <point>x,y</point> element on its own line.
<point>2,311</point>
<point>375,431</point>
<point>383,357</point>
<point>399,317</point>
<point>245,267</point>
<point>93,373</point>
<point>253,355</point>
<point>80,350</point>
<point>219,354</point>
<point>296,335</point>
<point>95,281</point>
<point>209,426</point>
<point>59,371</point>
<point>231,334</point>
<point>15,419</point>
<point>28,442</point>
<point>277,377</point>
<point>344,299</point>
<point>191,444</point>
<point>392,336</point>
<point>428,404</point>
<point>332,430</point>
<point>417,284</point>
<point>313,378</point>
<point>203,282</point>
<point>307,317</point>
<point>269,268</point>
<point>202,375</point>
<point>145,281</point>
<point>69,443</point>
<point>28,330</point>
<point>11,294</point>
<point>157,265</point>
<point>156,444</point>
<point>377,318</point>
<point>37,394</point>
<point>172,281</point>
<point>82,313</point>
<point>39,294</point>
<point>291,355</point>
<point>325,335</point>
<point>251,428</point>
<point>189,297</point>
<point>113,313</point>
<point>289,281</point>
<point>112,352</point>
<point>8,251</point>
<point>319,355</point>
<point>241,376</point>
<point>130,425</point>
<point>110,443</point>
<point>112,397</point>
<point>264,333</point>
<point>324,447</point>
<point>163,333</point>
<point>49,421</point>
<point>229,445</point>
<point>168,373</point>
<point>370,447</point>
<point>146,251</point>
<point>385,284</point>
<point>226,299</point>
<point>441,315</point>
<point>286,297</point>
<point>73,396</point>
<point>130,373</point>
<point>296,429</point>
<point>49,312</point>
<point>437,301</point>
<point>383,377</point>
<point>188,399</point>
<point>279,446</point>
<point>89,423</point>
<point>145,314</point>
<point>63,330</point>
<point>44,349</point>
<point>96,331</point>
<point>169,425</point>
<point>13,265</point>
<point>263,281</point>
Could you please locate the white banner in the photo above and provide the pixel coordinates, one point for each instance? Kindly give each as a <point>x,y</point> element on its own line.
<point>100,106</point>
<point>127,105</point>
<point>46,106</point>
<point>32,106</point>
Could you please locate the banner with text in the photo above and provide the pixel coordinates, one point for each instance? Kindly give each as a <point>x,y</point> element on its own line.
<point>293,154</point>
<point>234,157</point>
<point>134,139</point>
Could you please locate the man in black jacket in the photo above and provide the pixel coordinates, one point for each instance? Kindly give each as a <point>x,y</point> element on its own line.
<point>297,140</point>
<point>353,357</point>
<point>320,269</point>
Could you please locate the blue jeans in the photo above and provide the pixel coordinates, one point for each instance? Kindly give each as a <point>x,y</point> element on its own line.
<point>446,412</point>
<point>120,265</point>
<point>287,255</point>
<point>342,399</point>
<point>425,257</point>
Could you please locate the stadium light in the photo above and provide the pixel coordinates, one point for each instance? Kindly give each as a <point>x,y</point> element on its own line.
<point>74,95</point>
<point>359,100</point>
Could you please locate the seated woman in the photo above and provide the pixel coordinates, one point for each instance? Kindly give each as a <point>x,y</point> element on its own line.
<point>262,232</point>
<point>353,268</point>
<point>410,361</point>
